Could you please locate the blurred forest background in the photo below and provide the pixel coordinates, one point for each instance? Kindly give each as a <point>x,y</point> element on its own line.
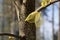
<point>49,30</point>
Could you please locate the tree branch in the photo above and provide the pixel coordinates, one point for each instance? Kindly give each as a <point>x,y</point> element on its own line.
<point>17,10</point>
<point>8,34</point>
<point>41,8</point>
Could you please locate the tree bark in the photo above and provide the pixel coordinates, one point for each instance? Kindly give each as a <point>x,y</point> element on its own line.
<point>30,29</point>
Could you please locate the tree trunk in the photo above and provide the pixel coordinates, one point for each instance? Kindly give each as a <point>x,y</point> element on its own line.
<point>27,31</point>
<point>30,30</point>
<point>59,24</point>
